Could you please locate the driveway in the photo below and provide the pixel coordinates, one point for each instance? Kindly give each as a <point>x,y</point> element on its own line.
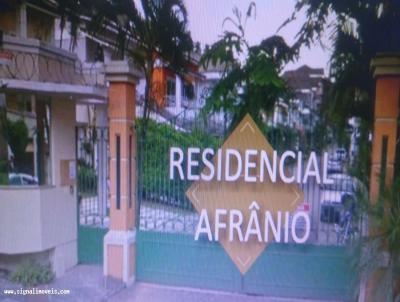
<point>86,283</point>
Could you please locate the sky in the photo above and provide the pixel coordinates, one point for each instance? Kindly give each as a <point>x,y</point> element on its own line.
<point>206,18</point>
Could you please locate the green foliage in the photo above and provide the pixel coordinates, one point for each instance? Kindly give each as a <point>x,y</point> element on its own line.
<point>3,172</point>
<point>361,167</point>
<point>3,133</point>
<point>282,138</point>
<point>31,273</point>
<point>87,179</point>
<point>88,147</point>
<point>3,179</point>
<point>154,160</point>
<point>321,136</point>
<point>384,243</point>
<point>360,30</point>
<point>250,81</point>
<point>18,138</point>
<point>386,214</point>
<point>157,27</point>
<point>3,166</point>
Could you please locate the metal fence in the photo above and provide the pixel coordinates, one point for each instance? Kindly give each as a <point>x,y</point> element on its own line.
<point>92,175</point>
<point>334,211</point>
<point>167,252</point>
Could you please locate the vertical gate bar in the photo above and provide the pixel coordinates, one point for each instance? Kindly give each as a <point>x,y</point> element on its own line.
<point>76,173</point>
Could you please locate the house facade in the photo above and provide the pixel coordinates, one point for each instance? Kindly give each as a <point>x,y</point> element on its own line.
<point>40,87</point>
<point>306,85</point>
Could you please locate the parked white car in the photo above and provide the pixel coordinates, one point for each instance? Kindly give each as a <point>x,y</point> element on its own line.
<point>18,179</point>
<point>343,192</point>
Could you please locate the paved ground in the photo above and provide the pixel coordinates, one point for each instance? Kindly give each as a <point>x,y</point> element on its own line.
<point>87,284</point>
<point>158,293</point>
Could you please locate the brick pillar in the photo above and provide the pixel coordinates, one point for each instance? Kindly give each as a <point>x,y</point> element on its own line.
<point>387,103</point>
<point>119,242</point>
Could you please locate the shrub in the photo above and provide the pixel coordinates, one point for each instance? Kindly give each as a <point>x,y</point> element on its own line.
<point>3,172</point>
<point>31,273</point>
<point>3,179</point>
<point>153,155</point>
<point>87,179</point>
<point>18,138</point>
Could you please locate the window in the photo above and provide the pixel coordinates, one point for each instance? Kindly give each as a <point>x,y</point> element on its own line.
<point>24,140</point>
<point>171,87</point>
<point>8,19</point>
<point>94,51</point>
<point>40,25</point>
<point>188,91</point>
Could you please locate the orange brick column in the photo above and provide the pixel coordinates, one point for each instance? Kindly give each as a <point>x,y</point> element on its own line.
<point>119,242</point>
<point>387,102</point>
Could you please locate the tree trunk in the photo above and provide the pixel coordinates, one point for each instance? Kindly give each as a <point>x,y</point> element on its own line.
<point>40,142</point>
<point>146,104</point>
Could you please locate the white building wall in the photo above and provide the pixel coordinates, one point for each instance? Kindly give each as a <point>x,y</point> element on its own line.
<point>59,206</point>
<point>46,215</point>
<point>178,93</point>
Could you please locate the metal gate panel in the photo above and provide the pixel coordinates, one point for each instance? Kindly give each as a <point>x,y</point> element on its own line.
<point>176,259</point>
<point>90,244</point>
<point>302,271</point>
<point>168,254</point>
<point>92,192</point>
<point>307,271</point>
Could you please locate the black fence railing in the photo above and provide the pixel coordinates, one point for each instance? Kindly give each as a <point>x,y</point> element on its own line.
<point>92,175</point>
<point>335,215</point>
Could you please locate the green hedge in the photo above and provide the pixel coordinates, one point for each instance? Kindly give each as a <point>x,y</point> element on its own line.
<point>87,180</point>
<point>153,155</point>
<point>3,172</point>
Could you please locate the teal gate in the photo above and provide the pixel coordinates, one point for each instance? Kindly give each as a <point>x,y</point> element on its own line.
<point>168,254</point>
<point>92,192</point>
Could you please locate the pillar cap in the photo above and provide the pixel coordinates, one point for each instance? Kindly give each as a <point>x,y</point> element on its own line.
<point>386,64</point>
<point>122,71</point>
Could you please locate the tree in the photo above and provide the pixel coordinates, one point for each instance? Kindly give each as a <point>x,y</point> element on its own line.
<point>359,31</point>
<point>155,30</point>
<point>18,139</point>
<point>381,252</point>
<point>250,80</point>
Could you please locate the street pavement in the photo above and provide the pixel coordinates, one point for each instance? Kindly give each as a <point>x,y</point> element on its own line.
<point>158,293</point>
<point>87,284</point>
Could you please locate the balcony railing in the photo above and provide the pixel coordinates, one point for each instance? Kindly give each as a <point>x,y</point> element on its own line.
<point>33,60</point>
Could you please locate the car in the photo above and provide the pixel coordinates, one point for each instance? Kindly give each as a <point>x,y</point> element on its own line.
<point>340,154</point>
<point>335,166</point>
<point>342,194</point>
<point>303,207</point>
<point>18,179</point>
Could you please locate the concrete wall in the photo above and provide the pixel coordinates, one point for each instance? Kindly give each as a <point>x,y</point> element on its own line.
<point>98,112</point>
<point>44,219</point>
<point>61,226</point>
<point>20,227</point>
